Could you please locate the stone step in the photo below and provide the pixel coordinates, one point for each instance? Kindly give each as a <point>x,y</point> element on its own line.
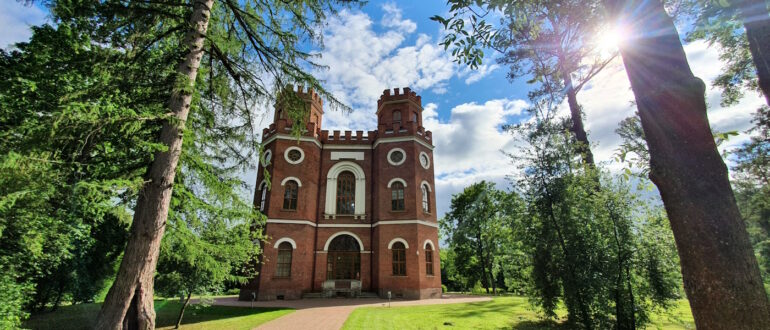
<point>311,295</point>
<point>316,295</point>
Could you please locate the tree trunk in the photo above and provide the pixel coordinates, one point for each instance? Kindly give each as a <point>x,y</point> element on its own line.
<point>576,114</point>
<point>181,312</point>
<point>480,251</point>
<point>721,276</point>
<point>134,282</point>
<point>756,20</point>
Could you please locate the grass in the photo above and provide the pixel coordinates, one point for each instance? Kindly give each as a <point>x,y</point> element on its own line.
<point>83,316</point>
<point>500,313</point>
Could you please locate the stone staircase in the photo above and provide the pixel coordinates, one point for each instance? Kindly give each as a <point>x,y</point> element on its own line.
<point>318,295</point>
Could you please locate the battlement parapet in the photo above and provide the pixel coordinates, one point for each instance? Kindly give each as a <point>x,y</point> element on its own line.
<point>285,126</point>
<point>347,137</point>
<point>409,128</point>
<point>399,95</point>
<point>307,93</point>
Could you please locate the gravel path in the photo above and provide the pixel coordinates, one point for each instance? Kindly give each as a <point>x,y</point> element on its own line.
<point>332,313</point>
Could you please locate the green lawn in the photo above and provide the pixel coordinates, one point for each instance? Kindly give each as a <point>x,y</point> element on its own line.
<point>195,317</point>
<point>500,313</point>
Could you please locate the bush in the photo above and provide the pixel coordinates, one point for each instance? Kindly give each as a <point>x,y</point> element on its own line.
<point>443,288</point>
<point>12,301</point>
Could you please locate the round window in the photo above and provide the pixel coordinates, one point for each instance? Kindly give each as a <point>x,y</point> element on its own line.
<point>424,160</point>
<point>396,156</point>
<point>294,155</point>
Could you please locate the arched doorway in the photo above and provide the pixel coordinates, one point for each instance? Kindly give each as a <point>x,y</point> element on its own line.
<point>343,259</point>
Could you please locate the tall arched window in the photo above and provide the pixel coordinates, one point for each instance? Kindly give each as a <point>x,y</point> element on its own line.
<point>290,195</point>
<point>396,115</point>
<point>346,193</point>
<point>399,259</point>
<point>397,196</point>
<point>264,197</point>
<point>425,199</point>
<point>414,117</point>
<point>429,259</point>
<point>283,267</point>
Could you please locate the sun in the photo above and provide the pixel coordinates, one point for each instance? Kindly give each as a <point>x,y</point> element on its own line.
<point>610,39</point>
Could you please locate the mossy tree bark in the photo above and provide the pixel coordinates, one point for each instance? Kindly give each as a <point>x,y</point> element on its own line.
<point>129,303</point>
<point>721,276</point>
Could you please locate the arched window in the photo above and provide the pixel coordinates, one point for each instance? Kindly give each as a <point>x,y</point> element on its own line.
<point>429,259</point>
<point>396,115</point>
<point>346,193</point>
<point>264,197</point>
<point>283,267</point>
<point>399,259</point>
<point>290,195</point>
<point>425,198</point>
<point>397,196</point>
<point>414,117</point>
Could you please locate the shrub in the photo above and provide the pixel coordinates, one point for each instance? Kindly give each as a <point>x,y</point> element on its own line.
<point>443,288</point>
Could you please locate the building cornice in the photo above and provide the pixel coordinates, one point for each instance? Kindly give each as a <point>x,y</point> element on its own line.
<point>353,225</point>
<point>349,147</point>
<point>396,102</point>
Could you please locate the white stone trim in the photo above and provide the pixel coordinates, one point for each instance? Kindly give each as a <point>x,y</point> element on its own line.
<point>292,222</point>
<point>397,239</point>
<point>425,183</point>
<point>394,180</point>
<point>405,222</point>
<point>286,179</point>
<point>267,157</point>
<point>291,138</point>
<point>301,157</point>
<point>331,187</point>
<point>419,159</point>
<point>352,225</point>
<point>425,245</point>
<point>391,152</point>
<point>344,225</point>
<point>357,155</point>
<point>346,147</point>
<point>339,233</point>
<point>285,239</point>
<point>402,139</point>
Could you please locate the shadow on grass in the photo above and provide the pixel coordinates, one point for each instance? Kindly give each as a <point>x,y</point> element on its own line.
<point>83,316</point>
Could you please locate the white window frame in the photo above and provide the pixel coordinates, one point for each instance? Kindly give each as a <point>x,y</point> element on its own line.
<point>331,189</point>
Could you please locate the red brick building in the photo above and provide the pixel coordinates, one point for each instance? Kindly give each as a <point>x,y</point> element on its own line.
<point>349,212</point>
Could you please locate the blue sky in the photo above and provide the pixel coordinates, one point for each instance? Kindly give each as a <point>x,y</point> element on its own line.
<point>394,44</point>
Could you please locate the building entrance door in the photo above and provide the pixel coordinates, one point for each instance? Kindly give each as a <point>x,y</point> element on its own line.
<point>343,259</point>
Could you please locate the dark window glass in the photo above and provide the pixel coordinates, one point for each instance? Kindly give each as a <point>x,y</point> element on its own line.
<point>425,199</point>
<point>396,156</point>
<point>399,259</point>
<point>283,268</point>
<point>343,260</point>
<point>290,195</point>
<point>264,197</point>
<point>397,196</point>
<point>346,193</point>
<point>428,260</point>
<point>295,155</point>
<point>414,116</point>
<point>396,115</point>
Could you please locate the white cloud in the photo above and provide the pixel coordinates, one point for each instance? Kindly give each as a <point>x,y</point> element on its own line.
<point>17,19</point>
<point>481,72</point>
<point>363,62</point>
<point>469,146</point>
<point>392,19</point>
<point>607,100</point>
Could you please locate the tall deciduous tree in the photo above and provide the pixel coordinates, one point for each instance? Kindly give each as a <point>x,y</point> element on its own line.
<point>551,43</point>
<point>476,227</point>
<point>742,30</point>
<point>720,272</point>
